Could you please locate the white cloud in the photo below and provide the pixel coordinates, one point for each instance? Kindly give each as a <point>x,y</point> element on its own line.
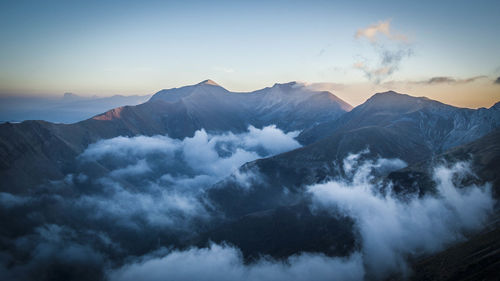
<point>167,200</point>
<point>124,146</point>
<point>226,263</point>
<point>8,200</point>
<point>136,169</point>
<point>154,204</point>
<point>201,154</point>
<point>271,138</point>
<point>392,229</point>
<point>161,181</point>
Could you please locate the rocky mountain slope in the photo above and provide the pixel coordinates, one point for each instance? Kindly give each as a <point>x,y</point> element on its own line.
<point>483,154</point>
<point>290,106</point>
<point>435,125</point>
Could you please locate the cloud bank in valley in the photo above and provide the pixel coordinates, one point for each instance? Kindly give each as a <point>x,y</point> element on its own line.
<point>125,217</point>
<point>390,228</point>
<point>222,262</point>
<point>129,196</point>
<point>211,155</point>
<point>161,181</point>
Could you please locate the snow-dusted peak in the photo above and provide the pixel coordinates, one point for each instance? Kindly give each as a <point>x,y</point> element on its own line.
<point>292,84</point>
<point>208,82</point>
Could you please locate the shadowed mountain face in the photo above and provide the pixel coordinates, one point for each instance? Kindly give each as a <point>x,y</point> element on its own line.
<point>478,258</point>
<point>483,155</point>
<point>434,125</point>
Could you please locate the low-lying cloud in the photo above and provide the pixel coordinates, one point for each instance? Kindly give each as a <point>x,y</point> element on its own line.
<point>393,229</point>
<point>173,174</point>
<point>222,262</point>
<point>128,197</point>
<point>136,214</point>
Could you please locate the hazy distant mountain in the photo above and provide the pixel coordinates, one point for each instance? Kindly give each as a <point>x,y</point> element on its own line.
<point>68,109</point>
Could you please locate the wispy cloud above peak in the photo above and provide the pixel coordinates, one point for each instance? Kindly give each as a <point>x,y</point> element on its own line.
<point>450,80</point>
<point>389,52</point>
<point>373,31</point>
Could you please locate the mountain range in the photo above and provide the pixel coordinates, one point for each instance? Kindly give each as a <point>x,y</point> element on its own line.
<point>37,150</point>
<point>263,207</point>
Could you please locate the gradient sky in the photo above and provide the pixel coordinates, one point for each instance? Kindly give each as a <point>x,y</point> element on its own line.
<point>140,47</point>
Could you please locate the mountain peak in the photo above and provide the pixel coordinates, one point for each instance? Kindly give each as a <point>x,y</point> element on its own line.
<point>392,96</point>
<point>289,84</point>
<point>208,82</point>
<point>388,93</point>
<point>397,102</point>
<point>496,105</point>
<point>70,96</point>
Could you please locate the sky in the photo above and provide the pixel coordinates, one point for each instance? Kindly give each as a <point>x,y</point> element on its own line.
<point>445,50</point>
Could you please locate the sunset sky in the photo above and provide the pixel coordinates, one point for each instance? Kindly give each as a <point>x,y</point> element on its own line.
<point>445,50</point>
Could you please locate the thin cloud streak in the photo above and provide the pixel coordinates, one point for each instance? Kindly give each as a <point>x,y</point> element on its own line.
<point>449,80</point>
